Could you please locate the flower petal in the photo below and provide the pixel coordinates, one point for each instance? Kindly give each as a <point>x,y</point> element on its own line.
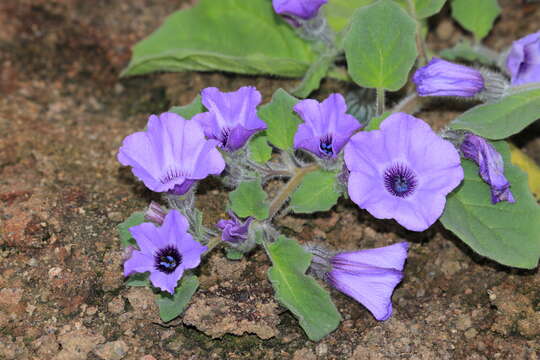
<point>138,262</point>
<point>166,282</point>
<point>148,238</point>
<point>390,257</point>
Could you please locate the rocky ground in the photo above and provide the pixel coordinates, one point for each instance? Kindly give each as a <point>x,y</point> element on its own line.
<point>63,115</point>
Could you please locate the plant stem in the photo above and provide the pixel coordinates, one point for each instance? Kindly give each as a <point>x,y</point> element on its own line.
<point>380,101</point>
<point>420,44</point>
<point>215,241</point>
<point>289,187</point>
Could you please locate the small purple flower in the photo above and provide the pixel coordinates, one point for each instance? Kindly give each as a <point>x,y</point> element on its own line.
<point>326,128</point>
<point>234,231</point>
<point>155,213</point>
<point>402,171</point>
<point>304,9</point>
<point>165,251</point>
<point>232,116</point>
<point>523,61</point>
<point>443,78</point>
<point>491,166</point>
<point>171,155</point>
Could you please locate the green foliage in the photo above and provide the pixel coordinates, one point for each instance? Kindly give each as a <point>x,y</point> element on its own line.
<point>381,46</point>
<point>231,35</point>
<point>316,72</point>
<point>233,254</point>
<point>123,228</point>
<point>505,232</point>
<point>138,280</point>
<point>317,192</point>
<point>501,119</point>
<point>282,122</point>
<point>300,293</point>
<point>171,306</point>
<point>464,50</point>
<point>339,12</point>
<point>259,150</point>
<point>423,8</point>
<point>249,199</point>
<point>376,121</point>
<point>477,16</point>
<point>190,110</point>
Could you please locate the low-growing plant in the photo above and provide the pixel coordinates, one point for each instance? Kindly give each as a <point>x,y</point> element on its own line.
<point>386,161</point>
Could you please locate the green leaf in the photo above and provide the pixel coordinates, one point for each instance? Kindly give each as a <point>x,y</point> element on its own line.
<point>190,110</point>
<point>259,150</point>
<point>233,254</point>
<point>239,36</point>
<point>249,199</point>
<point>282,122</point>
<point>505,232</point>
<point>376,121</point>
<point>138,279</point>
<point>424,8</point>
<point>464,50</point>
<point>300,293</point>
<point>381,46</point>
<point>123,228</point>
<point>339,12</point>
<point>501,119</point>
<point>316,72</point>
<point>171,306</point>
<point>477,16</point>
<point>317,192</point>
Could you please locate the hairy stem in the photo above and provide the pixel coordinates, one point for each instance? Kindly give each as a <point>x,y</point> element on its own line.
<point>380,101</point>
<point>213,243</point>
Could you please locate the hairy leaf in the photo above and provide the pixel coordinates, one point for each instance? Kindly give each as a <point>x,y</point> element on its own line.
<point>190,110</point>
<point>477,16</point>
<point>317,192</point>
<point>171,306</point>
<point>123,228</point>
<point>259,150</point>
<point>249,199</point>
<point>281,120</point>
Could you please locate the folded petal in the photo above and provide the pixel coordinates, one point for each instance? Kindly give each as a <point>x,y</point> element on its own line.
<point>389,257</point>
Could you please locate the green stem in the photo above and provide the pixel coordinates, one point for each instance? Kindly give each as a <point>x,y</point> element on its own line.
<point>380,101</point>
<point>213,243</point>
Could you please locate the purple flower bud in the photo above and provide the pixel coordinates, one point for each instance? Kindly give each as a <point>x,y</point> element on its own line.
<point>368,276</point>
<point>155,213</point>
<point>304,9</point>
<point>234,231</point>
<point>326,128</point>
<point>232,116</point>
<point>165,251</point>
<point>523,61</point>
<point>491,166</point>
<point>171,155</point>
<point>443,78</point>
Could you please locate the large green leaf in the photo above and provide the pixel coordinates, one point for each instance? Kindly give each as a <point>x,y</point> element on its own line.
<point>240,36</point>
<point>249,199</point>
<point>123,228</point>
<point>259,150</point>
<point>281,120</point>
<point>171,306</point>
<point>316,72</point>
<point>477,16</point>
<point>317,192</point>
<point>381,45</point>
<point>190,110</point>
<point>339,12</point>
<point>300,293</point>
<point>499,120</point>
<point>423,8</point>
<point>505,232</point>
<point>464,50</point>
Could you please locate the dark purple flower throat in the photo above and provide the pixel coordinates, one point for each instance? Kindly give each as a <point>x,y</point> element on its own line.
<point>399,180</point>
<point>326,145</point>
<point>167,259</point>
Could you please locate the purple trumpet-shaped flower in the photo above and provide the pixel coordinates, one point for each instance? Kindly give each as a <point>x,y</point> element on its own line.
<point>155,213</point>
<point>165,251</point>
<point>304,9</point>
<point>171,155</point>
<point>402,171</point>
<point>234,231</point>
<point>443,78</point>
<point>523,61</point>
<point>232,116</point>
<point>491,166</point>
<point>368,276</point>
<point>326,128</point>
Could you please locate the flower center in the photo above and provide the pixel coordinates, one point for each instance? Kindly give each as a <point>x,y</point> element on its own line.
<point>224,137</point>
<point>399,180</point>
<point>326,145</point>
<point>167,259</point>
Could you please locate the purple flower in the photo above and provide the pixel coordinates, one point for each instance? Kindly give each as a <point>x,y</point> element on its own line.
<point>232,116</point>
<point>234,231</point>
<point>155,213</point>
<point>165,251</point>
<point>402,171</point>
<point>443,78</point>
<point>326,126</point>
<point>304,9</point>
<point>171,155</point>
<point>523,61</point>
<point>491,166</point>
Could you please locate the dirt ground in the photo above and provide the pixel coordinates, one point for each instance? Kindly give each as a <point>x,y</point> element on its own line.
<point>63,115</point>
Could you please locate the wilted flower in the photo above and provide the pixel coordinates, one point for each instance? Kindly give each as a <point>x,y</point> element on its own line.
<point>165,251</point>
<point>523,61</point>
<point>443,78</point>
<point>155,213</point>
<point>234,231</point>
<point>326,126</point>
<point>232,116</point>
<point>491,166</point>
<point>304,9</point>
<point>402,171</point>
<point>368,276</point>
<point>171,155</point>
